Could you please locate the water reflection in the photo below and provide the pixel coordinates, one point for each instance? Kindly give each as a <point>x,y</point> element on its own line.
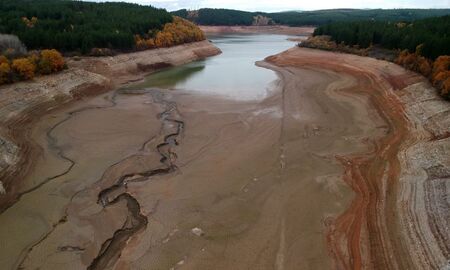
<point>232,74</point>
<point>171,77</point>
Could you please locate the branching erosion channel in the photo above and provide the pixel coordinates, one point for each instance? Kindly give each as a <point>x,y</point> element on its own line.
<point>172,128</point>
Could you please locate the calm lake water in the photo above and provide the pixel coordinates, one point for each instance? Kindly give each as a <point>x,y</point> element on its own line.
<point>233,74</point>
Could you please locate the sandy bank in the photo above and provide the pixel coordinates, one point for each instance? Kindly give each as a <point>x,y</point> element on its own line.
<point>22,103</point>
<point>399,217</point>
<point>277,29</point>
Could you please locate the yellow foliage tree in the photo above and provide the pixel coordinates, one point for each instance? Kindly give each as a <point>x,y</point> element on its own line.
<point>141,43</point>
<point>30,23</point>
<point>150,43</point>
<point>3,59</point>
<point>178,32</point>
<point>5,71</point>
<point>51,61</point>
<point>164,39</point>
<point>24,67</point>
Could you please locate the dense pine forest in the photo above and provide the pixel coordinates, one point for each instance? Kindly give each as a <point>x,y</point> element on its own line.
<point>75,25</point>
<point>433,33</point>
<point>209,16</point>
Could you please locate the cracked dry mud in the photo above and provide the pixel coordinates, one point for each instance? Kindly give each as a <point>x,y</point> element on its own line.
<point>308,178</point>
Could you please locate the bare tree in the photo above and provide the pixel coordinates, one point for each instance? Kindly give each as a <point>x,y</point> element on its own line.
<point>11,45</point>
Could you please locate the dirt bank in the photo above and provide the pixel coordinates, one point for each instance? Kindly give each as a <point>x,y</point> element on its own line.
<point>399,217</point>
<point>276,29</point>
<point>23,103</point>
<point>130,67</point>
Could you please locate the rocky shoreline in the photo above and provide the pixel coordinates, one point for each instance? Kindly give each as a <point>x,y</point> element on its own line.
<point>21,104</point>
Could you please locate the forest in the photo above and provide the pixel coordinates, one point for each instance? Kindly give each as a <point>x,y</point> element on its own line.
<point>79,26</point>
<point>34,35</point>
<point>433,33</point>
<point>209,16</point>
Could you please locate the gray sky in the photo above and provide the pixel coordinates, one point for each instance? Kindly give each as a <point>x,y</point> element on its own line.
<point>281,5</point>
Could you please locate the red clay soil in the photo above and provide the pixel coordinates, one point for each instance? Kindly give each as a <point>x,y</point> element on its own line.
<point>366,236</point>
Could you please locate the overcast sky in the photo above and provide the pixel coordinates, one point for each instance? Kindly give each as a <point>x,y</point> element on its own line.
<point>281,5</point>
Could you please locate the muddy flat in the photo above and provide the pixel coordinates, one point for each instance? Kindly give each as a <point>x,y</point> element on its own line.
<point>259,179</point>
<point>153,178</point>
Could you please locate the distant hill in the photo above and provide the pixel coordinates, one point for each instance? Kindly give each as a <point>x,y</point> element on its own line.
<point>432,33</point>
<point>208,16</point>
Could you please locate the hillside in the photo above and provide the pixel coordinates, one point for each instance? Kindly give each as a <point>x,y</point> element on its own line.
<point>209,16</point>
<point>76,25</point>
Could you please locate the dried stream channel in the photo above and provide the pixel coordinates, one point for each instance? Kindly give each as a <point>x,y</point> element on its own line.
<point>135,222</point>
<point>207,176</point>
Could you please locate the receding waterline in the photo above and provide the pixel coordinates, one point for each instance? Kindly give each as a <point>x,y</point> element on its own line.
<point>232,74</point>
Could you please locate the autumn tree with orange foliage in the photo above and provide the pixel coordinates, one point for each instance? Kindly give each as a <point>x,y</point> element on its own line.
<point>3,59</point>
<point>178,32</point>
<point>441,75</point>
<point>438,72</point>
<point>5,70</point>
<point>50,61</point>
<point>24,68</point>
<point>30,23</point>
<point>415,61</point>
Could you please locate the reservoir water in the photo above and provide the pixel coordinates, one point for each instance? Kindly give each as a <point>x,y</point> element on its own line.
<point>232,74</point>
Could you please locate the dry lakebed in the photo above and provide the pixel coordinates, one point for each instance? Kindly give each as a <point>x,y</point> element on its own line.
<point>305,160</point>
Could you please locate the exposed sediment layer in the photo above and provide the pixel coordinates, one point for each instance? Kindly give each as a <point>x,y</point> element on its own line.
<point>23,103</point>
<point>399,217</point>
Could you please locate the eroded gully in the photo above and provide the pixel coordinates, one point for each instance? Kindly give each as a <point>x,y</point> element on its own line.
<point>136,221</point>
<point>171,129</point>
